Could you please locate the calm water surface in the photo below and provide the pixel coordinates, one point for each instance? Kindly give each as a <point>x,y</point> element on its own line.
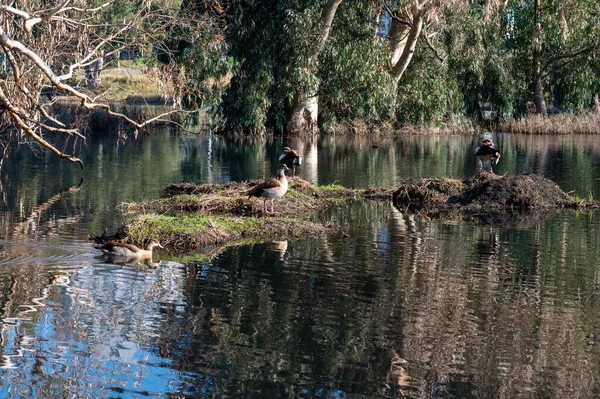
<point>403,307</point>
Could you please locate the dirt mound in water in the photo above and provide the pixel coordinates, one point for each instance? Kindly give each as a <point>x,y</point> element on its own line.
<point>521,192</point>
<point>486,197</point>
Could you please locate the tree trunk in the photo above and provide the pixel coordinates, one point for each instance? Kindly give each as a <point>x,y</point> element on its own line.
<point>397,39</point>
<point>406,47</point>
<point>538,89</point>
<point>305,111</point>
<point>305,106</point>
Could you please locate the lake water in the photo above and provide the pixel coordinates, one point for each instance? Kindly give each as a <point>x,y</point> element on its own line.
<point>403,307</point>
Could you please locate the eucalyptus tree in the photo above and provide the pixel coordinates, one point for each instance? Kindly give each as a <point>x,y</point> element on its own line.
<point>47,46</point>
<point>551,38</point>
<point>300,60</point>
<point>301,63</point>
<point>410,21</point>
<point>275,47</point>
<point>354,81</point>
<point>305,103</point>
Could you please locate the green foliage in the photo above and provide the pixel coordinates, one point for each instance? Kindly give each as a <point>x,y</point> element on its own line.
<point>256,96</point>
<point>199,49</point>
<point>569,49</point>
<point>423,98</point>
<point>354,83</point>
<point>482,62</point>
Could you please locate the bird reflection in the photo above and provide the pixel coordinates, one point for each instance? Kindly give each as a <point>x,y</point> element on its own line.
<point>278,247</point>
<point>60,279</point>
<point>487,246</point>
<point>398,378</point>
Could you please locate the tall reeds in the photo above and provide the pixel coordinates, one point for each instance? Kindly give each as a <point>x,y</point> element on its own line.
<point>587,123</point>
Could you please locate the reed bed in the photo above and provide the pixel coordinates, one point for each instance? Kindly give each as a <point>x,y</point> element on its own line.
<point>386,129</point>
<point>588,123</point>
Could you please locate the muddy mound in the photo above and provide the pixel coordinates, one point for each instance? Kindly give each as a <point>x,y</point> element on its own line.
<point>522,192</point>
<point>485,197</point>
<point>428,191</point>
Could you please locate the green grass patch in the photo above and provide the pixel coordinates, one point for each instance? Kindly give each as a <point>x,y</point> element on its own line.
<point>188,232</point>
<point>195,217</point>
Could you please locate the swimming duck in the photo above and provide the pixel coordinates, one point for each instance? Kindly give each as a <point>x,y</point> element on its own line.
<point>291,159</point>
<point>487,152</point>
<point>120,249</point>
<point>271,189</point>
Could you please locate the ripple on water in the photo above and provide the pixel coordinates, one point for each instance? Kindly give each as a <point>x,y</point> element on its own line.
<point>401,308</point>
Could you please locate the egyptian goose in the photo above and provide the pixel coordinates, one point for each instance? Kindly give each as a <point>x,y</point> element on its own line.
<point>487,152</point>
<point>291,159</point>
<point>271,189</point>
<point>120,249</point>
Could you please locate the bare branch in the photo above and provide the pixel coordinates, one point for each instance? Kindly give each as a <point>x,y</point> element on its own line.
<point>52,119</point>
<point>15,114</point>
<point>75,38</point>
<point>430,45</point>
<point>575,55</point>
<point>13,64</point>
<point>15,11</point>
<point>395,16</point>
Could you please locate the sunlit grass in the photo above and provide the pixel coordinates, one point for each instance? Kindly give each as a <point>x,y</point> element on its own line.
<point>121,87</point>
<point>192,231</point>
<point>587,123</point>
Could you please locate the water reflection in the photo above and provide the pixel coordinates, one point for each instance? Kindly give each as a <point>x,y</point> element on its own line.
<point>390,306</point>
<point>139,170</point>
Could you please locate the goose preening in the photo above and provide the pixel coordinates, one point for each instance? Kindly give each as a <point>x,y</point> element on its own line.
<point>123,250</point>
<point>271,189</point>
<point>291,159</point>
<point>486,152</point>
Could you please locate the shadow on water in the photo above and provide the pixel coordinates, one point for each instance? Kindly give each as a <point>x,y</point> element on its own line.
<point>389,306</point>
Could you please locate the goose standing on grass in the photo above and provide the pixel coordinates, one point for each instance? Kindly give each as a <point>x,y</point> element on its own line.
<point>271,189</point>
<point>291,159</point>
<point>130,251</point>
<point>486,152</point>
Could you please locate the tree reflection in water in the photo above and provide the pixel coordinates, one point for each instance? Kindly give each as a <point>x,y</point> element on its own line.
<point>399,307</point>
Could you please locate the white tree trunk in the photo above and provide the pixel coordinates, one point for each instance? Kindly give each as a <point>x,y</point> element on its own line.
<point>538,88</point>
<point>397,39</point>
<point>304,114</point>
<point>406,47</point>
<point>305,106</point>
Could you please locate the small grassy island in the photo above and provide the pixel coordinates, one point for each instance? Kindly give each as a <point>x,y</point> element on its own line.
<point>194,217</point>
<point>197,217</point>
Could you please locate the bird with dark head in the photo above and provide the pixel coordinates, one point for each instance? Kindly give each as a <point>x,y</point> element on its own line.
<point>271,189</point>
<point>487,153</point>
<point>291,159</point>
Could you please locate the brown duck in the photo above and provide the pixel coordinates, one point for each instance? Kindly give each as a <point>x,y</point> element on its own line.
<point>291,159</point>
<point>271,189</point>
<point>120,249</point>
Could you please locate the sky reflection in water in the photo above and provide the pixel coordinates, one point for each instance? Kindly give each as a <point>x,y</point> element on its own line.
<point>401,308</point>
